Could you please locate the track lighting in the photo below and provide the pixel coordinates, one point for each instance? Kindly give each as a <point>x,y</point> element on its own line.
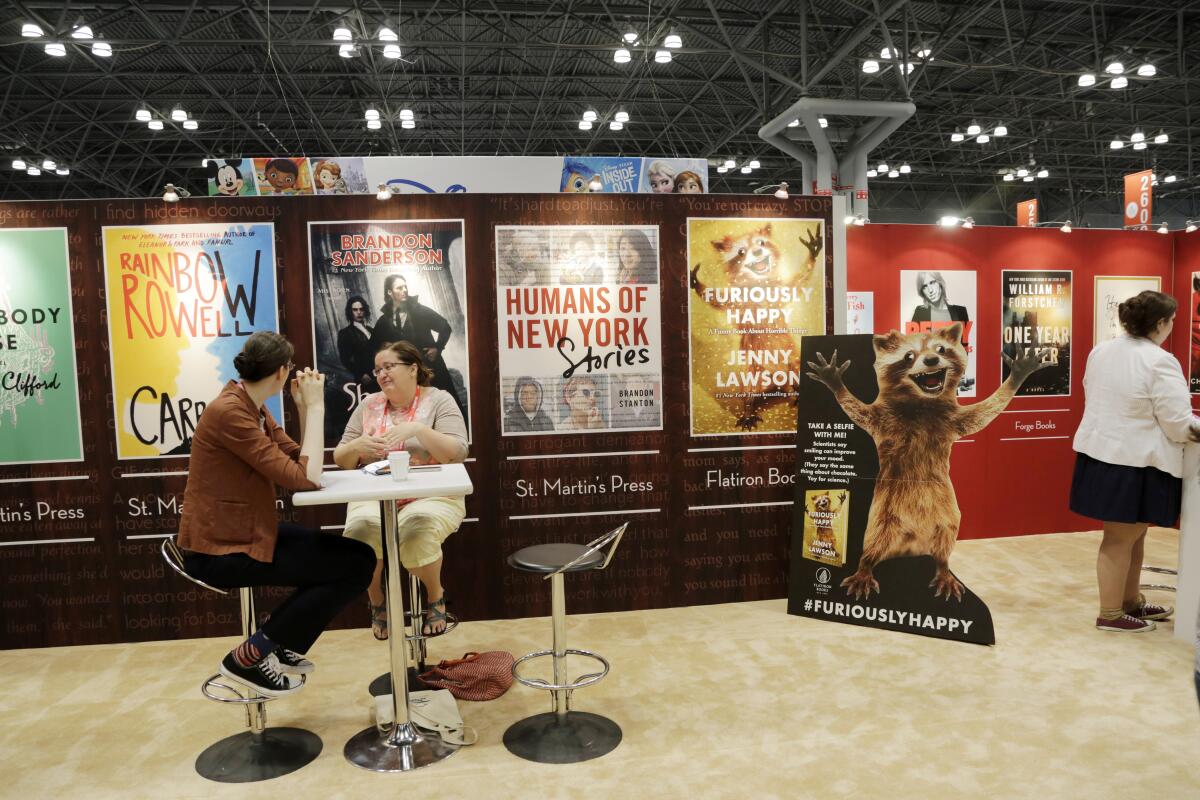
<point>384,193</point>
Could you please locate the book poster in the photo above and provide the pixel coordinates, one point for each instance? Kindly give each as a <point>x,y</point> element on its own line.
<point>1035,316</point>
<point>39,398</point>
<point>860,312</point>
<point>756,287</point>
<point>181,300</point>
<point>1111,291</point>
<point>375,282</point>
<point>1194,347</point>
<point>931,300</point>
<point>579,322</point>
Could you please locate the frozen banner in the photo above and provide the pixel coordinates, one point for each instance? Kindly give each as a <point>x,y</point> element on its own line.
<point>931,301</point>
<point>579,321</point>
<point>1035,310</point>
<point>1111,291</point>
<point>39,398</point>
<point>674,176</point>
<point>610,174</point>
<point>876,515</point>
<point>756,287</point>
<point>375,282</point>
<point>181,300</point>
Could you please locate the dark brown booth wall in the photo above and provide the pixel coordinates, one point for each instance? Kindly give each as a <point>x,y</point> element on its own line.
<point>114,587</point>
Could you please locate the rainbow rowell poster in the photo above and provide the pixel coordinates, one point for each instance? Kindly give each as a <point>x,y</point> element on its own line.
<point>181,301</point>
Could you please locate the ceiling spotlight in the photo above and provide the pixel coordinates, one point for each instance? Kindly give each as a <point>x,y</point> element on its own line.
<point>1170,179</point>
<point>925,53</point>
<point>1119,82</point>
<point>386,34</point>
<point>1191,227</point>
<point>754,164</point>
<point>872,173</point>
<point>673,41</point>
<point>859,220</point>
<point>870,66</point>
<point>895,173</point>
<point>19,164</point>
<point>590,115</point>
<point>948,222</point>
<point>191,125</point>
<point>616,126</point>
<point>1001,130</point>
<point>31,30</point>
<point>371,113</point>
<point>142,114</point>
<point>1022,172</point>
<point>883,167</point>
<point>391,51</point>
<point>584,125</point>
<point>1161,138</point>
<point>794,123</point>
<point>973,129</point>
<point>82,32</point>
<point>170,193</point>
<point>406,114</point>
<point>347,51</point>
<point>983,138</point>
<point>969,223</point>
<point>824,123</point>
<point>909,67</point>
<point>722,169</point>
<point>1008,176</point>
<point>848,219</point>
<point>622,56</point>
<point>342,34</point>
<point>905,168</point>
<point>1028,179</point>
<point>1163,228</point>
<point>621,116</point>
<point>662,56</point>
<point>1138,136</point>
<point>782,192</point>
<point>745,170</point>
<point>384,193</point>
<point>730,163</point>
<point>102,49</point>
<point>1066,227</point>
<point>885,54</point>
<point>1114,68</point>
<point>1087,79</point>
<point>155,124</point>
<point>957,136</point>
<point>1116,144</point>
<point>33,170</point>
<point>1139,145</point>
<point>630,36</point>
<point>56,49</point>
<point>595,184</point>
<point>408,124</point>
<point>62,171</point>
<point>1146,71</point>
<point>178,114</point>
<point>374,124</point>
<point>48,164</point>
<point>1043,173</point>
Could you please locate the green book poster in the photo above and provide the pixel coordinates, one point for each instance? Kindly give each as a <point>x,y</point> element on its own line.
<point>39,398</point>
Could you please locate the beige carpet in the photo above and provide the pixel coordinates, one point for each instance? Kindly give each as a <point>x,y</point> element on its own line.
<point>737,701</point>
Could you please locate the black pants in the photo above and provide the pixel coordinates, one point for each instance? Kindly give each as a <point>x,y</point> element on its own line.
<point>327,570</point>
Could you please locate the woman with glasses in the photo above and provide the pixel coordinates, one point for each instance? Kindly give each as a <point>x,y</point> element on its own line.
<point>408,413</point>
<point>229,532</point>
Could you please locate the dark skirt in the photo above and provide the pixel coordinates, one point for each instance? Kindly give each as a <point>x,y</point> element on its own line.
<point>1116,493</point>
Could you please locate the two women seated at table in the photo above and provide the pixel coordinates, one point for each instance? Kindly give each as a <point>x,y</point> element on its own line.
<point>406,414</point>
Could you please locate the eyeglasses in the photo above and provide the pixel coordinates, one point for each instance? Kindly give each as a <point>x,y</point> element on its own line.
<point>584,392</point>
<point>388,368</point>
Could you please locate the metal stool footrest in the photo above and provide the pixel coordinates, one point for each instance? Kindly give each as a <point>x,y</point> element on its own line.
<point>583,680</point>
<point>415,636</point>
<point>213,682</point>
<point>1160,570</point>
<point>1160,587</point>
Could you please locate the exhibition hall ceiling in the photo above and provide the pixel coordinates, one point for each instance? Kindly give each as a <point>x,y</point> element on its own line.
<point>497,77</point>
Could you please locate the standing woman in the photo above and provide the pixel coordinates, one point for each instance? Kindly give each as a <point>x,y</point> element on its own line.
<point>229,531</point>
<point>1129,463</point>
<point>408,413</point>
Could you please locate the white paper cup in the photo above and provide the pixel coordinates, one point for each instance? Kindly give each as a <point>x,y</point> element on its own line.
<point>398,461</point>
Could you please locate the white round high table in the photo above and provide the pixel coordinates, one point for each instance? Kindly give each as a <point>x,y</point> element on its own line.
<point>405,747</point>
<point>1187,591</point>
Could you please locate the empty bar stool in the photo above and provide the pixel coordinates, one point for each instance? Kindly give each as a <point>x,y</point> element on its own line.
<point>563,736</point>
<point>258,753</point>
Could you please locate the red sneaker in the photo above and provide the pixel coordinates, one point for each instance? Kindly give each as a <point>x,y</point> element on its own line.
<point>1149,611</point>
<point>1124,624</point>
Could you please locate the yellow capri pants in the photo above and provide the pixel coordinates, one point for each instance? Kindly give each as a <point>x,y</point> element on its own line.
<point>422,526</point>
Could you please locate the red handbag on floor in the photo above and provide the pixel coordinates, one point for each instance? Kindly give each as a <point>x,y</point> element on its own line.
<point>475,676</point>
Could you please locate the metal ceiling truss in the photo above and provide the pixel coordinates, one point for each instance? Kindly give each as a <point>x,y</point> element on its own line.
<point>509,77</point>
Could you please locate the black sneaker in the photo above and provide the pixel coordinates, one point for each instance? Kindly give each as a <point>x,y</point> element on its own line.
<point>263,676</point>
<point>292,662</point>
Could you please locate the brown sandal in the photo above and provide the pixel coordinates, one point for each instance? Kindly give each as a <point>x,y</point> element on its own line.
<point>433,616</point>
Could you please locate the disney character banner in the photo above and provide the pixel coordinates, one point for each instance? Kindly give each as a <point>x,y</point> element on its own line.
<point>39,400</point>
<point>579,323</point>
<point>879,415</point>
<point>1035,309</point>
<point>181,300</point>
<point>377,282</point>
<point>607,174</point>
<point>931,300</point>
<point>756,287</point>
<point>674,176</point>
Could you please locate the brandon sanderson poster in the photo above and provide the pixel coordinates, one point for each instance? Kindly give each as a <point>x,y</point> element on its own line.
<point>875,517</point>
<point>931,300</point>
<point>181,300</point>
<point>579,322</point>
<point>39,400</point>
<point>756,286</point>
<point>1035,316</point>
<point>376,282</point>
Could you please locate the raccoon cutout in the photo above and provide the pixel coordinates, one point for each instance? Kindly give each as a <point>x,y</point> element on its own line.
<point>914,422</point>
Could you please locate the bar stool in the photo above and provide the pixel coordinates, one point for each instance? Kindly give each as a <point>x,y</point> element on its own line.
<point>563,736</point>
<point>258,753</point>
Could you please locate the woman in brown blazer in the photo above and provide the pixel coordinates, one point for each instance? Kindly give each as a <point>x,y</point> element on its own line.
<point>230,533</point>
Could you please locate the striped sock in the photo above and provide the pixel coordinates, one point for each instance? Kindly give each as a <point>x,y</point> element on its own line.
<point>253,650</point>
